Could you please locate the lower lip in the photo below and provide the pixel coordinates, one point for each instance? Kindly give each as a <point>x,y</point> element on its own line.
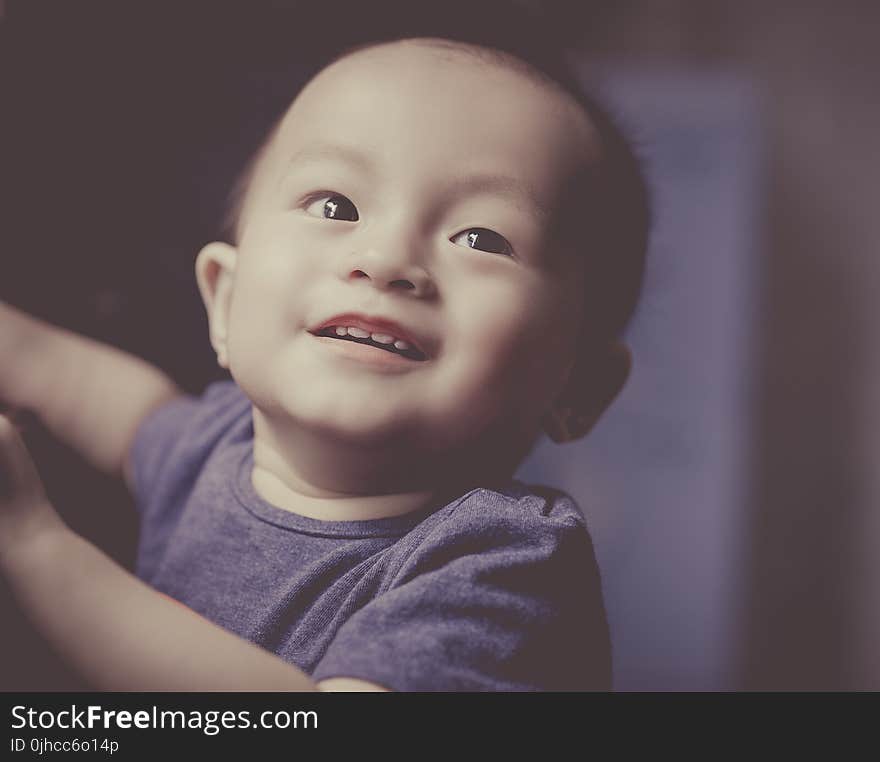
<point>366,354</point>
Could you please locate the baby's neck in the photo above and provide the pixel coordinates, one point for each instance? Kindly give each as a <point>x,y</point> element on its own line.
<point>334,506</point>
<point>308,474</point>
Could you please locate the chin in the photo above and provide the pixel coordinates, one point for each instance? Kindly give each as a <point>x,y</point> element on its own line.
<point>376,432</point>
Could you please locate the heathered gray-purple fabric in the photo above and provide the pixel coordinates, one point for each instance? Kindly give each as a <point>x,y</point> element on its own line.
<point>498,590</point>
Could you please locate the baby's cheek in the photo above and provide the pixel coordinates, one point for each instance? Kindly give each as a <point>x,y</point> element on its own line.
<point>494,367</point>
<point>532,348</point>
<point>518,328</point>
<point>272,277</point>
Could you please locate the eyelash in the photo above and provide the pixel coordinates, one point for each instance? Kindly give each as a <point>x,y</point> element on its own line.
<point>502,247</point>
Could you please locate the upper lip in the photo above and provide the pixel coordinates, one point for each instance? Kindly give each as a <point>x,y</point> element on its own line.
<point>373,324</point>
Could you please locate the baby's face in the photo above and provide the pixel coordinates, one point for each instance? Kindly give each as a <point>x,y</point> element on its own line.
<point>411,193</point>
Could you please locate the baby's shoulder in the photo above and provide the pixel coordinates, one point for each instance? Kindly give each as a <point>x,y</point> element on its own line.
<point>514,526</point>
<point>200,420</point>
<point>173,443</point>
<point>223,398</point>
<point>517,510</point>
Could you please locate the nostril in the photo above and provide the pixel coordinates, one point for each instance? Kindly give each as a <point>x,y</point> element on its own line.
<point>403,284</point>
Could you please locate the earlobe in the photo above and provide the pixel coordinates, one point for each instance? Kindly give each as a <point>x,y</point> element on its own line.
<point>215,266</point>
<point>590,390</point>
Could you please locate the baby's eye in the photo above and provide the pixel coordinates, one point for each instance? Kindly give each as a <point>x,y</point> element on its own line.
<point>332,206</point>
<point>483,239</point>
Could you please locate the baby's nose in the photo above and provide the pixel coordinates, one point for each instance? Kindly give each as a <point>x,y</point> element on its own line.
<point>397,271</point>
<point>419,285</point>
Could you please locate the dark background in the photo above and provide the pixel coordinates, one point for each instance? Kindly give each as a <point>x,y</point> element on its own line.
<point>124,127</point>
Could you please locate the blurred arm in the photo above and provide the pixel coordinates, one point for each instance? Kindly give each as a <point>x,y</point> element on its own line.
<point>122,635</point>
<point>89,395</point>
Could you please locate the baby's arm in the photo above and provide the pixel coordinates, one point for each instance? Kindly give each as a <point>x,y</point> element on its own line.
<point>121,635</point>
<point>89,395</point>
<point>115,630</point>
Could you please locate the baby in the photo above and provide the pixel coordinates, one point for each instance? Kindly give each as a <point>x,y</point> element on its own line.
<point>434,254</point>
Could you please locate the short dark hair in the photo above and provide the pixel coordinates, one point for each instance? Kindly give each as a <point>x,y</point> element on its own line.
<point>613,190</point>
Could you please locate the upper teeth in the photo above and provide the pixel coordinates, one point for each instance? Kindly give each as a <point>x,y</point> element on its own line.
<point>380,338</point>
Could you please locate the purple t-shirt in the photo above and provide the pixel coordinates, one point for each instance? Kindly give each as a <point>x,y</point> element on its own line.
<point>498,590</point>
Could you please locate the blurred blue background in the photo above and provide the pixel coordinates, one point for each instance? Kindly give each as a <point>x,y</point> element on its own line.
<point>664,478</point>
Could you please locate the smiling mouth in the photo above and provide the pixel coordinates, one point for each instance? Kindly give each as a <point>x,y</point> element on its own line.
<point>409,352</point>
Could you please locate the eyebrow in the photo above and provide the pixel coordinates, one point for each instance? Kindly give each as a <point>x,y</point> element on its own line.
<point>487,182</point>
<point>334,151</point>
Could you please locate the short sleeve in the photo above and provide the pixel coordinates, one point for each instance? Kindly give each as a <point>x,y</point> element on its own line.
<point>514,605</point>
<point>174,439</point>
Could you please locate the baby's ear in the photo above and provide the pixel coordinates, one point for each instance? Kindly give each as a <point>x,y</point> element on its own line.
<point>596,380</point>
<point>215,266</point>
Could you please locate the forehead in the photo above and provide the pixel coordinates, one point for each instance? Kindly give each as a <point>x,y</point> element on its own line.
<point>451,110</point>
